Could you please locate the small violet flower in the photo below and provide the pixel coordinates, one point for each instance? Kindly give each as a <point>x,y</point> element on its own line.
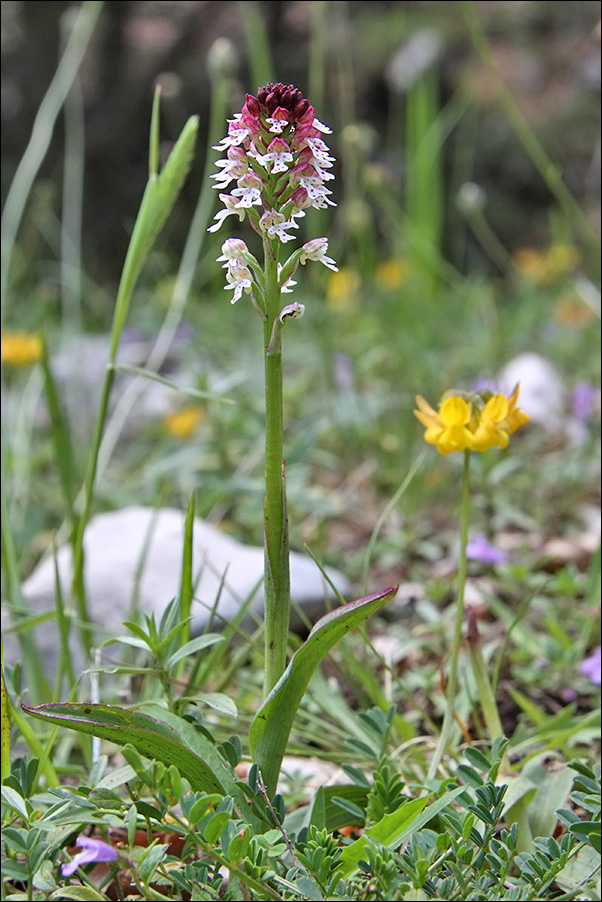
<point>480,549</point>
<point>591,667</point>
<point>94,850</point>
<point>583,401</point>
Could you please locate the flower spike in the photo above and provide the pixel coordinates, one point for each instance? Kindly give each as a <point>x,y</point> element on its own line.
<point>276,155</point>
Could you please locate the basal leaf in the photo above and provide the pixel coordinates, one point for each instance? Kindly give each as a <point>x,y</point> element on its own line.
<point>273,722</point>
<point>149,736</point>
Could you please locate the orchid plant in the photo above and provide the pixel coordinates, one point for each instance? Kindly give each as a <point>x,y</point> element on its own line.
<point>276,156</point>
<point>280,163</point>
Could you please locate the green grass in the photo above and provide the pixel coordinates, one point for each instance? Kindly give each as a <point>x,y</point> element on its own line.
<point>364,494</point>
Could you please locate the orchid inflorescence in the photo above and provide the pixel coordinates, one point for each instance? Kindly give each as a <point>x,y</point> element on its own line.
<point>276,155</point>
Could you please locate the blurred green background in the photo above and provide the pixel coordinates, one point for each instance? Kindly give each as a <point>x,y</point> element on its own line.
<point>467,139</point>
<point>360,65</point>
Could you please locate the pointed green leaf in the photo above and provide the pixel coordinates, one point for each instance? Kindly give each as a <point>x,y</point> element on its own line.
<point>159,197</point>
<point>273,722</point>
<point>193,646</point>
<point>395,828</point>
<point>149,736</point>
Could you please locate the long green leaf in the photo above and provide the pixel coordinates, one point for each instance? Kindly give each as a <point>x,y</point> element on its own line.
<point>186,586</point>
<point>149,736</point>
<point>61,438</point>
<point>272,724</point>
<point>192,647</point>
<point>395,828</point>
<point>204,748</point>
<point>159,197</point>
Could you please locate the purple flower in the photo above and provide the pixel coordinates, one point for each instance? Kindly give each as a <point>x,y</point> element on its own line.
<point>583,401</point>
<point>591,666</point>
<point>568,695</point>
<point>480,549</point>
<point>485,385</point>
<point>93,850</point>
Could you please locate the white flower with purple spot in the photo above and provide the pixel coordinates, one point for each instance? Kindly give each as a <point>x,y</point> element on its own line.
<point>231,207</point>
<point>316,249</point>
<point>279,155</point>
<point>233,250</point>
<point>234,167</point>
<point>249,190</point>
<point>239,278</point>
<point>275,225</point>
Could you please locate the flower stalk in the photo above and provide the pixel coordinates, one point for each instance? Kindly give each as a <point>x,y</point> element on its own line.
<point>277,577</point>
<point>468,421</point>
<point>452,682</point>
<point>276,156</point>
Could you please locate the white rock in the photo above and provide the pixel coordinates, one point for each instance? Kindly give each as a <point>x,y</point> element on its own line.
<point>78,366</point>
<point>134,556</point>
<point>542,390</point>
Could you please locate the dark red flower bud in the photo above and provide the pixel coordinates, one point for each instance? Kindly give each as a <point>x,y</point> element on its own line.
<point>301,107</point>
<point>252,105</point>
<point>277,95</point>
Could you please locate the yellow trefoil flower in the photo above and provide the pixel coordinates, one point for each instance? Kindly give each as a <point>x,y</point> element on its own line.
<point>21,348</point>
<point>476,421</point>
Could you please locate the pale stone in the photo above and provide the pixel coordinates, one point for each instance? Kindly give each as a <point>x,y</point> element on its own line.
<point>542,391</point>
<point>134,556</point>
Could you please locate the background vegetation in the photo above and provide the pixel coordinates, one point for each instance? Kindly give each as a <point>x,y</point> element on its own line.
<point>466,232</point>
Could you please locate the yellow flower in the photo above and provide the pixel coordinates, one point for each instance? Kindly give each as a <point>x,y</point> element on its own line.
<point>546,268</point>
<point>498,420</point>
<point>483,421</point>
<point>342,288</point>
<point>183,423</point>
<point>392,274</point>
<point>21,348</point>
<point>447,429</point>
<point>573,311</point>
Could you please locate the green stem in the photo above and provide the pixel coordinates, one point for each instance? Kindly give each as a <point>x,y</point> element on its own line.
<point>489,707</point>
<point>277,581</point>
<point>452,683</point>
<point>4,728</point>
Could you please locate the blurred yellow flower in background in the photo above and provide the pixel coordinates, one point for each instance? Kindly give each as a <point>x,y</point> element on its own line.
<point>21,348</point>
<point>183,423</point>
<point>391,274</point>
<point>573,311</point>
<point>547,267</point>
<point>342,288</point>
<point>477,422</point>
